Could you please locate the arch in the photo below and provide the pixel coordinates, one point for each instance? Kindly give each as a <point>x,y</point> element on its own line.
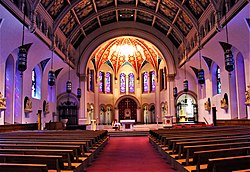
<point>70,104</point>
<point>127,96</point>
<point>186,107</point>
<point>137,30</point>
<point>36,82</point>
<point>241,85</point>
<point>216,83</point>
<point>9,90</point>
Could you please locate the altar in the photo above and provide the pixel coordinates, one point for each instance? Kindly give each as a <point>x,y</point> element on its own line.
<point>127,124</point>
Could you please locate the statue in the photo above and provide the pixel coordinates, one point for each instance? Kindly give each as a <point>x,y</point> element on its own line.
<point>247,94</point>
<point>2,102</point>
<point>45,107</point>
<point>207,105</point>
<point>145,111</point>
<point>27,104</point>
<point>223,104</point>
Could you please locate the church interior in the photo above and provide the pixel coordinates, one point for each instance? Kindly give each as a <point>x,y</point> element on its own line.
<point>169,68</point>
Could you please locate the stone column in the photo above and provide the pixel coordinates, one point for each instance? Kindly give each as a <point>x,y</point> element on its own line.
<point>157,101</point>
<point>82,110</point>
<point>138,114</point>
<point>171,99</point>
<point>117,114</point>
<point>96,100</point>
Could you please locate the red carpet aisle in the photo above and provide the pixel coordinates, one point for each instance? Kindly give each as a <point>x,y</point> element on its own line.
<point>129,154</point>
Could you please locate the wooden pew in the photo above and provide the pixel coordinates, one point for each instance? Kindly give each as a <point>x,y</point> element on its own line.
<point>75,148</point>
<point>174,147</point>
<point>83,145</point>
<point>181,145</point>
<point>189,150</point>
<point>52,161</point>
<point>229,164</point>
<point>202,157</point>
<point>67,155</point>
<point>14,167</point>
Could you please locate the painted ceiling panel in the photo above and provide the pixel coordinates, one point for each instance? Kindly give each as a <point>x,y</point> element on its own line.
<point>170,5</point>
<point>182,26</point>
<point>126,1</point>
<point>68,23</point>
<point>100,4</point>
<point>56,7</point>
<point>167,12</point>
<point>160,25</point>
<point>144,17</point>
<point>108,18</point>
<point>186,20</point>
<point>91,26</point>
<point>148,3</point>
<point>126,15</point>
<point>194,7</point>
<point>83,9</point>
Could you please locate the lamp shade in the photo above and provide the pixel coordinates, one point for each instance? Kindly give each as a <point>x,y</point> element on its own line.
<point>201,77</point>
<point>51,78</point>
<point>229,60</point>
<point>68,86</point>
<point>22,59</point>
<point>185,85</point>
<point>79,93</point>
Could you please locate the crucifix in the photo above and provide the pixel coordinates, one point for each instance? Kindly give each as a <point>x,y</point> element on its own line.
<point>127,101</point>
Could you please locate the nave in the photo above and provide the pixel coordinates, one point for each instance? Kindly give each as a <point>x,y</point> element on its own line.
<point>129,154</point>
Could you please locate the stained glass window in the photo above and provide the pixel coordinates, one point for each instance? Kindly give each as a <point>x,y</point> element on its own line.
<point>122,83</point>
<point>145,82</point>
<point>108,83</point>
<point>91,80</point>
<point>101,80</point>
<point>162,79</point>
<point>33,83</point>
<point>152,81</point>
<point>218,80</point>
<point>131,83</point>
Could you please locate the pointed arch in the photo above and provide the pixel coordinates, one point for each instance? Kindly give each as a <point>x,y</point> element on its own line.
<point>9,90</point>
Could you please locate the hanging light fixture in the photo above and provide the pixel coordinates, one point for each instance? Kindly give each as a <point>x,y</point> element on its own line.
<point>229,58</point>
<point>185,82</point>
<point>201,77</point>
<point>69,83</point>
<point>175,91</point>
<point>22,52</point>
<point>79,91</point>
<point>51,74</point>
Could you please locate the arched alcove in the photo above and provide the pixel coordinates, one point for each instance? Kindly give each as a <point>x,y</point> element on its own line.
<point>9,90</point>
<point>186,108</point>
<point>241,84</point>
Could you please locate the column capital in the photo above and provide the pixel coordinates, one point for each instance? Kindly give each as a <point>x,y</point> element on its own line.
<point>83,77</point>
<point>171,77</point>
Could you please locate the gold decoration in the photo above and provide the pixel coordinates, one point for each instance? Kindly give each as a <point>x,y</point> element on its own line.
<point>2,102</point>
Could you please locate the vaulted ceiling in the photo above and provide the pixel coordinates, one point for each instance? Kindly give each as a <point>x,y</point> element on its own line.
<point>79,18</point>
<point>70,22</point>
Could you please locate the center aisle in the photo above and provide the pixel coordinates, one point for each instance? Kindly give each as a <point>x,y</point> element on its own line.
<point>129,154</point>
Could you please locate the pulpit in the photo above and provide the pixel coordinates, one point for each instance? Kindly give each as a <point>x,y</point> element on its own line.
<point>127,124</point>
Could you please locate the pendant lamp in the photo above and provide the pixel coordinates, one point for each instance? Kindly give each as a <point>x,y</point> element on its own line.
<point>229,58</point>
<point>22,52</point>
<point>51,74</point>
<point>69,83</point>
